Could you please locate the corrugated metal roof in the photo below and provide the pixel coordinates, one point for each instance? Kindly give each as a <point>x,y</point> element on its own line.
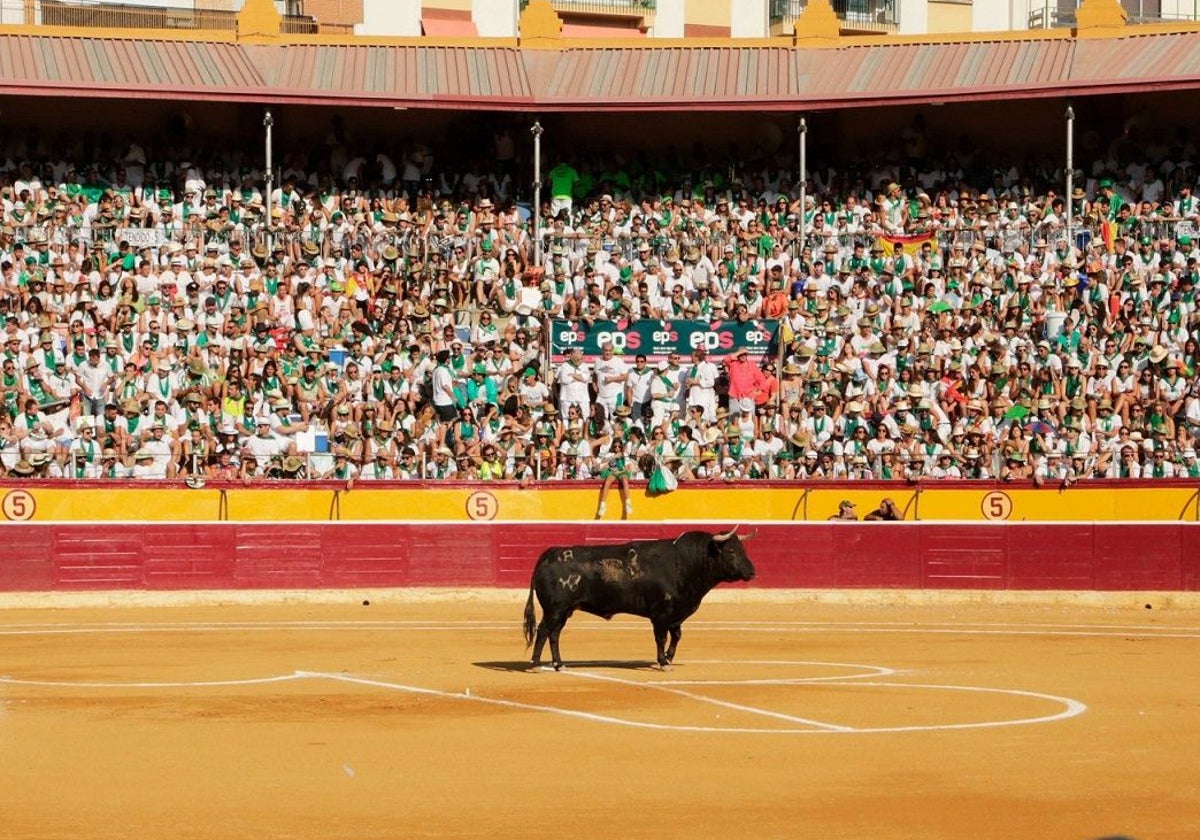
<point>408,73</point>
<point>904,69</point>
<point>36,61</point>
<point>1156,56</point>
<point>690,75</point>
<point>615,78</point>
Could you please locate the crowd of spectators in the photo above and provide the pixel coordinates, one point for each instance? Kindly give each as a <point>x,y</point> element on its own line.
<point>372,319</point>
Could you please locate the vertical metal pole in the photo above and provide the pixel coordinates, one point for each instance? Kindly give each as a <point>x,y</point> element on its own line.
<point>1070,176</point>
<point>537,192</point>
<point>269,125</point>
<point>802,128</point>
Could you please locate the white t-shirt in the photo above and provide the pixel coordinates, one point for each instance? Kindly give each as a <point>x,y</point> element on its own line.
<point>573,383</point>
<point>264,447</point>
<point>606,370</point>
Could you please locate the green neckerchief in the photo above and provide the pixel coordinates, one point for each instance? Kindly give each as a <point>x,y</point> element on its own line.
<point>289,368</point>
<point>89,448</point>
<point>35,389</point>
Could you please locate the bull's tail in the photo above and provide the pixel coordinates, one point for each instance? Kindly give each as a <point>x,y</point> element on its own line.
<point>530,613</point>
<point>530,618</point>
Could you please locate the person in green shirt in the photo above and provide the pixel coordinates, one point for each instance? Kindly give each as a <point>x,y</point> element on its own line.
<point>563,179</point>
<point>1115,200</point>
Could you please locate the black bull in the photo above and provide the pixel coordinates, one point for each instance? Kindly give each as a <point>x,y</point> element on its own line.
<point>662,580</point>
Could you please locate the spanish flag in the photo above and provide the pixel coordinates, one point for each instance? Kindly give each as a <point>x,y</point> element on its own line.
<point>912,243</point>
<point>1108,231</point>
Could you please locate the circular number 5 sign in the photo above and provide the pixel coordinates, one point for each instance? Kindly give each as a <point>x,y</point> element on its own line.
<point>997,505</point>
<point>18,505</point>
<point>482,505</point>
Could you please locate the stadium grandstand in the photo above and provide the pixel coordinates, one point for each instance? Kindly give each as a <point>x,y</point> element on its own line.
<point>351,347</point>
<point>257,254</point>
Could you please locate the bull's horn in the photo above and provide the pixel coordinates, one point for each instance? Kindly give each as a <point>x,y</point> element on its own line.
<point>723,537</point>
<point>750,536</point>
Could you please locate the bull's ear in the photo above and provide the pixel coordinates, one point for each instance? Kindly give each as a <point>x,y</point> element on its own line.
<point>713,549</point>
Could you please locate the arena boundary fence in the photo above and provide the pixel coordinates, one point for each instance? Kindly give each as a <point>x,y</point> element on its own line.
<point>1083,556</point>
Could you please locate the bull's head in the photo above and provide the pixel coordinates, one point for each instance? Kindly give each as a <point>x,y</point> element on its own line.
<point>731,556</point>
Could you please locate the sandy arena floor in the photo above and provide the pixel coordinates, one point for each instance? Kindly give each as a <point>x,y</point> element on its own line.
<point>400,720</point>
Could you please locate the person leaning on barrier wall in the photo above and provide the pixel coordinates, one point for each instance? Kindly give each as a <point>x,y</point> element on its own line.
<point>995,348</point>
<point>886,512</point>
<point>845,513</point>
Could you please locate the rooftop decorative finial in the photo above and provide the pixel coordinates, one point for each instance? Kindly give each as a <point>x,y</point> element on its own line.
<point>539,25</point>
<point>1097,18</point>
<point>818,24</point>
<point>259,21</point>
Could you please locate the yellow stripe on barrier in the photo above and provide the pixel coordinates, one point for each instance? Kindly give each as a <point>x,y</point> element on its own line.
<point>509,503</point>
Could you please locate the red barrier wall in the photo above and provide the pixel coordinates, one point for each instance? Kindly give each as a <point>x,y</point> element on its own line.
<point>1070,556</point>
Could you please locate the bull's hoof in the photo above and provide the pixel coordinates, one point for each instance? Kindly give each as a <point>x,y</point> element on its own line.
<point>664,665</point>
<point>558,666</point>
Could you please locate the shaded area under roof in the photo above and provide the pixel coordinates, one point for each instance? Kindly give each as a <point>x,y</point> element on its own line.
<point>739,77</point>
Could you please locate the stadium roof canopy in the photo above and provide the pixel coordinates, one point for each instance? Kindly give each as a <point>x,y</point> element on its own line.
<point>811,70</point>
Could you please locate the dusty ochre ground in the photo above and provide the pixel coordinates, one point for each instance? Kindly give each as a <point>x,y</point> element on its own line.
<point>780,720</point>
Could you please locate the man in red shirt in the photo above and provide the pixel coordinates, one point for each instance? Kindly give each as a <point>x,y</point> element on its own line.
<point>746,381</point>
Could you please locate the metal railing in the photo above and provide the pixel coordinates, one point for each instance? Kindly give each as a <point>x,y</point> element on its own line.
<point>417,245</point>
<point>313,465</point>
<point>119,16</point>
<point>126,16</point>
<point>1052,14</point>
<point>616,8</point>
<point>855,15</point>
